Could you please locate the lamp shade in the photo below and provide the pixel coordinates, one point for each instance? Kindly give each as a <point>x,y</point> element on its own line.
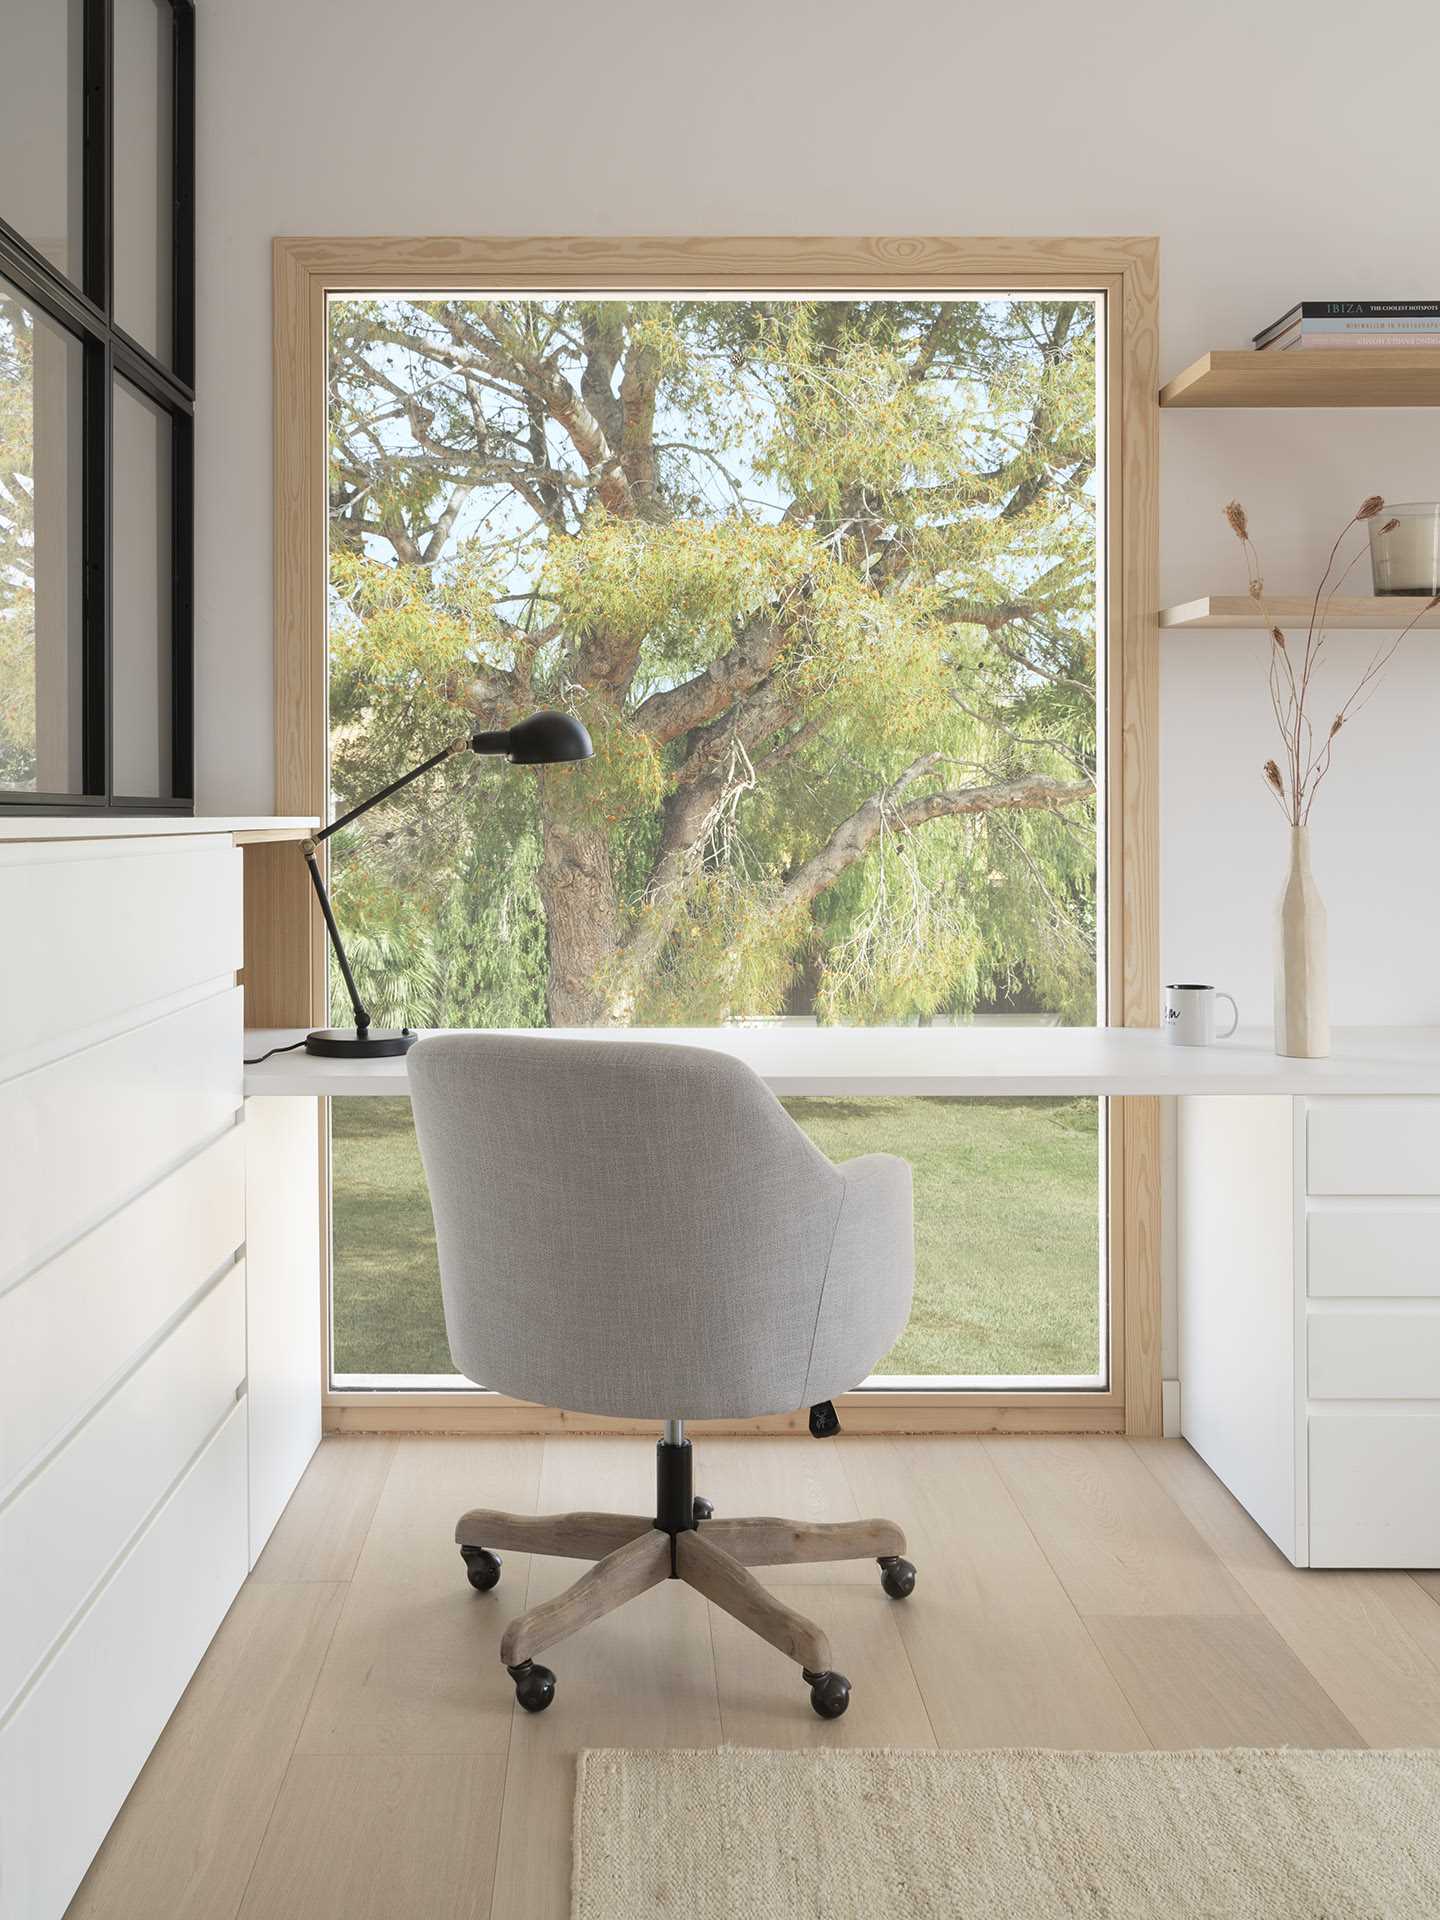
<point>545,738</point>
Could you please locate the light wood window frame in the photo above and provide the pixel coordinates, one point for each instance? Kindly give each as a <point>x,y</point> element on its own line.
<point>290,986</point>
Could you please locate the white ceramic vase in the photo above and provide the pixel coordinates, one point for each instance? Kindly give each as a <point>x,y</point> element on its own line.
<point>1302,971</point>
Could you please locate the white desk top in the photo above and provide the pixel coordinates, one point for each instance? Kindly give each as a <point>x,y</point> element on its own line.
<point>148,826</point>
<point>949,1061</point>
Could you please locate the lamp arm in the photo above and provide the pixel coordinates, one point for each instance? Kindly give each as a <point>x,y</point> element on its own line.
<point>445,753</point>
<point>362,1017</point>
<point>545,739</point>
<point>308,848</point>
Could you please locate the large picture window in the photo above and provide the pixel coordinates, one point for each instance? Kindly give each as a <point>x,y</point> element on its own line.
<point>843,553</point>
<point>820,576</point>
<point>96,396</point>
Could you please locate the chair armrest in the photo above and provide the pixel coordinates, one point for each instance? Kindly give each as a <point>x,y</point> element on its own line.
<point>870,1278</point>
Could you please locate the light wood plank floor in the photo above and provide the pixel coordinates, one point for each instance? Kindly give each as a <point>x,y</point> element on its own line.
<point>350,1748</point>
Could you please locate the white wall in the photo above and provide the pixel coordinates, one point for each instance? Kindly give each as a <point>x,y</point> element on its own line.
<point>1280,150</point>
<point>1275,157</point>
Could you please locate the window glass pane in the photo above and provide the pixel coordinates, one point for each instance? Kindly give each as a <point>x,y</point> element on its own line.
<point>143,451</point>
<point>42,105</point>
<point>1008,1236</point>
<point>822,577</point>
<point>41,550</point>
<point>144,172</point>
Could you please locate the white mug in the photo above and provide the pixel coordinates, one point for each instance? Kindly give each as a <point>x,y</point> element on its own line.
<point>1190,1016</point>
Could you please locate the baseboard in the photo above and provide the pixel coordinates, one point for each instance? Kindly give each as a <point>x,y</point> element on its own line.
<point>864,1413</point>
<point>1170,1408</point>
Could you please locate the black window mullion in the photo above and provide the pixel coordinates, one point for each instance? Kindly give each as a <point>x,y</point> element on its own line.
<point>95,747</point>
<point>143,370</point>
<point>33,275</point>
<point>99,111</point>
<point>183,175</point>
<point>182,611</point>
<point>87,310</point>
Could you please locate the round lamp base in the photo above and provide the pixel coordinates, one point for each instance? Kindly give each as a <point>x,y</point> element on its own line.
<point>376,1043</point>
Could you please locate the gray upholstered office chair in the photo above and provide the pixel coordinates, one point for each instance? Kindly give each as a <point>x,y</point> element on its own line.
<point>638,1229</point>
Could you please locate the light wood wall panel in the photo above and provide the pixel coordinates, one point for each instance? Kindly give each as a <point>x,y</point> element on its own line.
<point>282,937</point>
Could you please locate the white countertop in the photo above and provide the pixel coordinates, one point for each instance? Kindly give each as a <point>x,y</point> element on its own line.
<point>948,1061</point>
<point>146,826</point>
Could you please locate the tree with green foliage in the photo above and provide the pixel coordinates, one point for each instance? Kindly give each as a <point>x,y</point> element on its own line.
<point>818,575</point>
<point>18,718</point>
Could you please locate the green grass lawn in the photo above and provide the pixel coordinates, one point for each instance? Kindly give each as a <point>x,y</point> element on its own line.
<point>1006,1231</point>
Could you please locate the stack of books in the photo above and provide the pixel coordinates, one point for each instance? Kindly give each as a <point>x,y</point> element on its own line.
<point>1355,323</point>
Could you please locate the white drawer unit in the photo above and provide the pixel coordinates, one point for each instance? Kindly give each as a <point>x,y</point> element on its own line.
<point>1373,1250</point>
<point>70,1328</point>
<point>1375,1353</point>
<point>1373,1146</point>
<point>127,926</point>
<point>82,1136</point>
<point>135,1486</point>
<point>72,1745</point>
<point>62,1530</point>
<point>1310,1318</point>
<point>1375,1488</point>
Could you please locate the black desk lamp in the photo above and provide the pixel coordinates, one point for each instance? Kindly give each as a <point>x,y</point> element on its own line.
<point>541,741</point>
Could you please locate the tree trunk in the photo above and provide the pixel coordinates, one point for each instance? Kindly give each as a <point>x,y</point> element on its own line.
<point>581,917</point>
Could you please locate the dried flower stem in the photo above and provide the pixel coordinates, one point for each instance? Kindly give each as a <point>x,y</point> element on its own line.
<point>1290,687</point>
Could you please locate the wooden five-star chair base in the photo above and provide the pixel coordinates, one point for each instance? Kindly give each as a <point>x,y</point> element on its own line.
<point>633,1552</point>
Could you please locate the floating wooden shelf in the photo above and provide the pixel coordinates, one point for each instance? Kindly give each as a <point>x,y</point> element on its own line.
<point>1310,377</point>
<point>1240,612</point>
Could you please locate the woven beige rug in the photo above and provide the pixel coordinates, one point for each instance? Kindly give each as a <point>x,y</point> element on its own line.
<point>1021,1834</point>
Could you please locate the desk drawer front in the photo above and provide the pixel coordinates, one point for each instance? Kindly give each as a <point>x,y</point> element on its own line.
<point>81,1137</point>
<point>71,1327</point>
<point>65,1526</point>
<point>1373,1146</point>
<point>1390,1251</point>
<point>1374,1354</point>
<point>123,926</point>
<point>1373,1478</point>
<point>71,1752</point>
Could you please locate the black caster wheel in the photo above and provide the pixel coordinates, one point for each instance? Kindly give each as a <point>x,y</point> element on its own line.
<point>897,1577</point>
<point>829,1693</point>
<point>482,1568</point>
<point>701,1509</point>
<point>534,1686</point>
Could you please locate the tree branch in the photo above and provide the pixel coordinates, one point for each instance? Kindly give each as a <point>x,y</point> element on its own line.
<point>881,814</point>
<point>671,711</point>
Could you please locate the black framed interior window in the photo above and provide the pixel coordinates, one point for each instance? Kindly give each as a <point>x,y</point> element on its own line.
<point>97,396</point>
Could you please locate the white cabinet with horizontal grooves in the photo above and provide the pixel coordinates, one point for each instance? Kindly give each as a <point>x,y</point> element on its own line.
<point>68,1330</point>
<point>1373,1146</point>
<point>60,1532</point>
<point>1375,1353</point>
<point>1375,1487</point>
<point>1310,1327</point>
<point>71,1748</point>
<point>127,1522</point>
<point>1375,1249</point>
<point>157,917</point>
<point>91,1131</point>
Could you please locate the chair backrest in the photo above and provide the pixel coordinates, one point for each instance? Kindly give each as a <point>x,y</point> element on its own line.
<point>623,1227</point>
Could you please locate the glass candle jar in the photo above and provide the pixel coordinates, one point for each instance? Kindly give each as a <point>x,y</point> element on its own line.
<point>1406,558</point>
